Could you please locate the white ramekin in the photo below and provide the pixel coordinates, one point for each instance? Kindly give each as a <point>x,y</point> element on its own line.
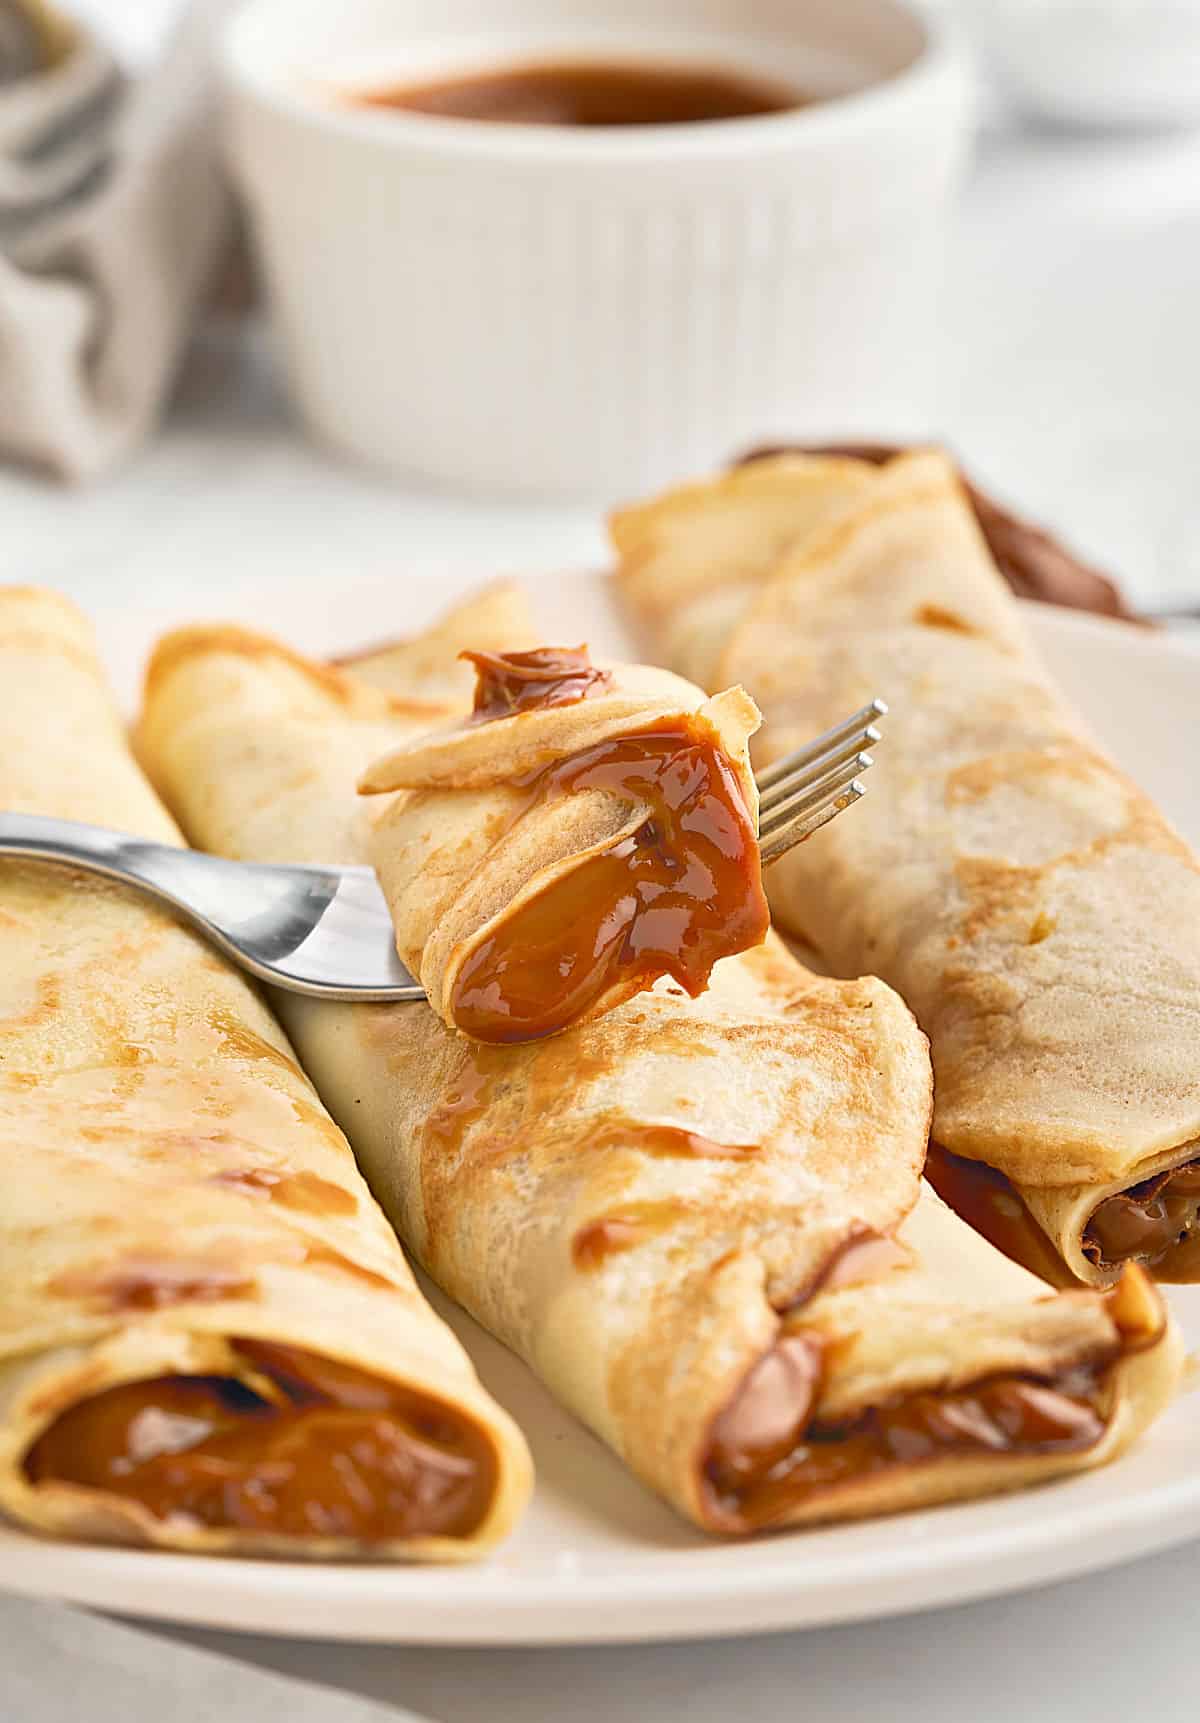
<point>593,311</point>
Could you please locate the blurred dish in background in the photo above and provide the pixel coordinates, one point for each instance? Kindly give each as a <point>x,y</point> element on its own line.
<point>1133,63</point>
<point>591,309</point>
<point>33,38</point>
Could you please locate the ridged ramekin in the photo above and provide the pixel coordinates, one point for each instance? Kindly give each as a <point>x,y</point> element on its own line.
<point>593,311</point>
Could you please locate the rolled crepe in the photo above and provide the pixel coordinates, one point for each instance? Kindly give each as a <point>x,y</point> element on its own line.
<point>584,832</point>
<point>428,671</point>
<point>1031,904</point>
<point>209,1337</point>
<point>700,1221</point>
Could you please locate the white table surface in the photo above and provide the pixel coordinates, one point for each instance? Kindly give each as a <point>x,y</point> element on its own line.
<point>1071,383</point>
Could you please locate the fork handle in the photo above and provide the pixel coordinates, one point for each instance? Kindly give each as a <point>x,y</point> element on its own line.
<point>120,856</point>
<point>117,855</point>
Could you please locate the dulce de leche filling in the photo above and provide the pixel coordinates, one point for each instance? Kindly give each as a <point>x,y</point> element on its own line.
<point>670,898</point>
<point>511,682</point>
<point>767,1452</point>
<point>300,1447</point>
<point>1145,1222</point>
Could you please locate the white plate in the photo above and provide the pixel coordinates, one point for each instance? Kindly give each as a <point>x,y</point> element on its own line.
<point>597,1557</point>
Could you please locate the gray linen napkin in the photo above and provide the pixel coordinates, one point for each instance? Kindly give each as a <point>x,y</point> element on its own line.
<point>60,1665</point>
<point>113,213</point>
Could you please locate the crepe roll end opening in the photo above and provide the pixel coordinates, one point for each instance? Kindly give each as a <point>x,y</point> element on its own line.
<point>283,1447</point>
<point>768,1456</point>
<point>1154,1224</point>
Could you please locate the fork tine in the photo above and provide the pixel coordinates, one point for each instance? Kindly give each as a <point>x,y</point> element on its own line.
<point>809,772</point>
<point>855,726</point>
<point>808,796</point>
<point>795,833</point>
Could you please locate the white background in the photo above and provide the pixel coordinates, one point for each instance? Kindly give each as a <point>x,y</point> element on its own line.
<point>1071,384</point>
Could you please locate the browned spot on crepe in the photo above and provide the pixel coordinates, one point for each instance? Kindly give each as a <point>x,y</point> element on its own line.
<point>245,1043</point>
<point>304,1191</point>
<point>47,1002</point>
<point>663,1141</point>
<point>933,616</point>
<point>978,778</point>
<point>317,1120</point>
<point>1043,926</point>
<point>473,1075</point>
<point>626,1227</point>
<point>322,1256</point>
<point>157,1145</point>
<point>141,1283</point>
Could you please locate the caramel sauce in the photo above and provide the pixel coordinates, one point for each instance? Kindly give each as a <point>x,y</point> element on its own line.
<point>512,682</point>
<point>462,1105</point>
<point>990,1204</point>
<point>305,1192</point>
<point>147,1285</point>
<point>594,1243</point>
<point>303,1447</point>
<point>671,898</point>
<point>1145,1222</point>
<point>322,1256</point>
<point>766,1452</point>
<point>592,93</point>
<point>666,1141</point>
<point>764,1457</point>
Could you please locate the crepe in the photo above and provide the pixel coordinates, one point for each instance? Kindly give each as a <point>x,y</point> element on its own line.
<point>700,1221</point>
<point>586,830</point>
<point>209,1337</point>
<point>1030,903</point>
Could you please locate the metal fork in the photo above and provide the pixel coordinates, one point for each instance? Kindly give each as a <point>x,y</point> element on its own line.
<point>327,931</point>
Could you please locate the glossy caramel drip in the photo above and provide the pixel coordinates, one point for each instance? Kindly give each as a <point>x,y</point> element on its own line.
<point>305,1192</point>
<point>592,93</point>
<point>324,1256</point>
<point>512,682</point>
<point>671,898</point>
<point>1145,1222</point>
<point>299,1447</point>
<point>667,1142</point>
<point>989,1203</point>
<point>633,1223</point>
